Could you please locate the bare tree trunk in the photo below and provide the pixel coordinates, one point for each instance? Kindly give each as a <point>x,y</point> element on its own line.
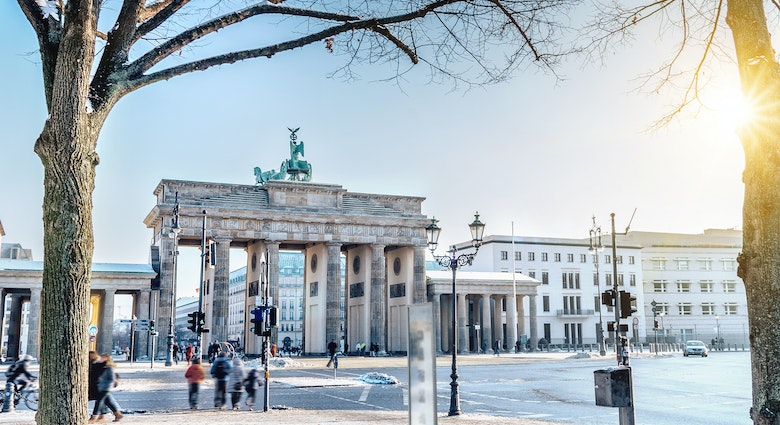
<point>759,262</point>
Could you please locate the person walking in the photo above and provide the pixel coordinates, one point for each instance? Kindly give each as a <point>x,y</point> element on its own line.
<point>106,382</point>
<point>195,375</point>
<point>332,346</point>
<point>236,382</point>
<point>96,366</point>
<point>188,353</point>
<point>175,348</point>
<point>220,371</point>
<point>251,386</point>
<point>496,347</point>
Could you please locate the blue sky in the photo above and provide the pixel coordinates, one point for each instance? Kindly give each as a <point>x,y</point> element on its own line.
<point>541,153</point>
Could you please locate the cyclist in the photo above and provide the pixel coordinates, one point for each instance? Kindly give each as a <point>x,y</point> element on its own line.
<point>18,374</point>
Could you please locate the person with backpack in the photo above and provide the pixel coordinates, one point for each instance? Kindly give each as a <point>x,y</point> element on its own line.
<point>220,371</point>
<point>18,374</point>
<point>195,375</point>
<point>251,385</point>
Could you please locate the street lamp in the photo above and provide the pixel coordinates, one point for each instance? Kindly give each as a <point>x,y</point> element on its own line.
<point>595,248</point>
<point>173,234</point>
<point>454,261</point>
<point>717,327</point>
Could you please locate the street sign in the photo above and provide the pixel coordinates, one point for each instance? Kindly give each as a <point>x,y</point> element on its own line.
<point>125,321</point>
<point>142,328</point>
<point>93,330</point>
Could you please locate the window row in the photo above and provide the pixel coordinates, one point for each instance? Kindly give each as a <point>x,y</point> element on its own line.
<point>725,264</point>
<point>687,309</point>
<point>558,257</point>
<point>705,286</point>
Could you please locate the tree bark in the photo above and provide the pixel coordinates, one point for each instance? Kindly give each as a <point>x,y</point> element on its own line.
<point>759,262</point>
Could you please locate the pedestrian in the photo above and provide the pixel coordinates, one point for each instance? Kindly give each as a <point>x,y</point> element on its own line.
<point>332,351</point>
<point>127,353</point>
<point>236,382</point>
<point>175,353</point>
<point>195,375</point>
<point>18,373</point>
<point>496,347</point>
<point>106,382</point>
<point>188,353</point>
<point>220,371</point>
<point>273,350</point>
<point>96,366</point>
<point>251,385</point>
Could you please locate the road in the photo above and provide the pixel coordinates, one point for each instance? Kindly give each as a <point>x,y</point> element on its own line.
<point>668,390</point>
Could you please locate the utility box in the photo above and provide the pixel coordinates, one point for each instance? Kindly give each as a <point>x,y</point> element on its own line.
<point>613,387</point>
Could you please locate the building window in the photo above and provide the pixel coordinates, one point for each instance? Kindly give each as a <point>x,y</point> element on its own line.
<point>632,279</point>
<point>545,278</point>
<point>729,286</point>
<point>557,257</point>
<point>683,286</point>
<point>728,265</point>
<point>620,279</point>
<point>659,264</point>
<point>596,302</point>
<point>730,309</point>
<point>708,309</point>
<point>504,255</point>
<point>608,279</point>
<point>546,303</point>
<point>532,274</point>
<point>518,256</point>
<point>706,285</point>
<point>595,279</point>
<point>631,259</point>
<point>544,256</point>
<point>662,308</point>
<point>570,258</point>
<point>682,264</point>
<point>659,285</point>
<point>571,280</point>
<point>583,258</point>
<point>531,256</point>
<point>608,259</point>
<point>684,309</point>
<point>619,259</point>
<point>705,263</point>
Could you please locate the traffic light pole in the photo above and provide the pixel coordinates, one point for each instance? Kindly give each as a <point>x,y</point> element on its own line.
<point>626,414</point>
<point>199,346</point>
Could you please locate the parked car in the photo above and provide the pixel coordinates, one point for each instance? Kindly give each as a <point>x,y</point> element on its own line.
<point>695,348</point>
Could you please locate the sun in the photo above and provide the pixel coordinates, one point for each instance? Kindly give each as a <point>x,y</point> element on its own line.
<point>734,109</point>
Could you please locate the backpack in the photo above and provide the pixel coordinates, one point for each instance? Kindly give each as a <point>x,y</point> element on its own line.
<point>220,369</point>
<point>11,370</point>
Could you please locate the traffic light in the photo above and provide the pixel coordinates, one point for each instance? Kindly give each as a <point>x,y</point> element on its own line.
<point>193,321</point>
<point>257,320</point>
<point>202,323</point>
<point>627,304</point>
<point>655,324</point>
<point>151,328</point>
<point>273,317</point>
<point>607,298</point>
<point>211,255</point>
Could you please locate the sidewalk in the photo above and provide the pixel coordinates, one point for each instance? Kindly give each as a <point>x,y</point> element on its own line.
<point>140,376</point>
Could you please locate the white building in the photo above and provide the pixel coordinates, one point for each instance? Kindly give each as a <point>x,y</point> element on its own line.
<point>568,301</point>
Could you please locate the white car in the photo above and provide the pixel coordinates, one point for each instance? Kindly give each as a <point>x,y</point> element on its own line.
<point>695,348</point>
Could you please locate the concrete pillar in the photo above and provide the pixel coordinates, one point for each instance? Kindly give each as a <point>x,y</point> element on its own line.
<point>463,335</point>
<point>498,329</point>
<point>221,295</point>
<point>105,336</point>
<point>273,282</point>
<point>420,289</point>
<point>3,293</point>
<point>333,294</point>
<point>534,335</point>
<point>142,309</point>
<point>34,323</point>
<point>378,296</point>
<point>511,322</point>
<point>14,326</point>
<point>437,323</point>
<point>163,317</point>
<point>520,316</point>
<point>487,325</point>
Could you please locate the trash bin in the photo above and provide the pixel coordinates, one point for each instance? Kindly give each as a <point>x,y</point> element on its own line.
<point>613,387</point>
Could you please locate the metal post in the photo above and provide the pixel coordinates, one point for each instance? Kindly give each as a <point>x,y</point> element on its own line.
<point>175,229</point>
<point>200,284</point>
<point>626,415</point>
<point>454,394</point>
<point>595,248</point>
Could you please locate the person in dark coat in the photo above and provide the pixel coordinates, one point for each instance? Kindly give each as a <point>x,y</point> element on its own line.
<point>96,367</point>
<point>106,382</point>
<point>332,346</point>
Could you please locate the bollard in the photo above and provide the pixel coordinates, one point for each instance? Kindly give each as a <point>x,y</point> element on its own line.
<point>8,403</point>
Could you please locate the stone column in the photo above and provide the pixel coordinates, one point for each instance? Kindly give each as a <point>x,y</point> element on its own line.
<point>498,329</point>
<point>520,316</point>
<point>142,308</point>
<point>105,336</point>
<point>463,336</point>
<point>511,322</point>
<point>273,282</point>
<point>332,294</point>
<point>534,336</point>
<point>14,327</point>
<point>487,325</point>
<point>34,323</point>
<point>419,275</point>
<point>378,298</point>
<point>437,323</point>
<point>221,295</point>
<point>167,291</point>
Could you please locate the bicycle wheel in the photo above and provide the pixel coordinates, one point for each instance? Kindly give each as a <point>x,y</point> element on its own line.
<point>31,400</point>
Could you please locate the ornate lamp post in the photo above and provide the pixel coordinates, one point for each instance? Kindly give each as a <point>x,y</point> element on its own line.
<point>454,262</point>
<point>595,248</point>
<point>173,234</point>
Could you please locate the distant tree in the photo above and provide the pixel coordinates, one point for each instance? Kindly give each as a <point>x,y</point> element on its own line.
<point>89,64</point>
<point>702,43</point>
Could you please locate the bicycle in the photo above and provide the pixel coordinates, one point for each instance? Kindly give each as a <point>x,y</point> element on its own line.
<point>29,394</point>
